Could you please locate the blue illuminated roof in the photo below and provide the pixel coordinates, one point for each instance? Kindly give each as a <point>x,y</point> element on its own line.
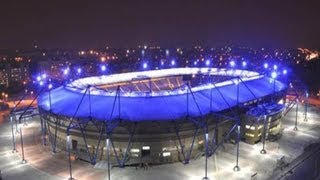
<point>65,102</point>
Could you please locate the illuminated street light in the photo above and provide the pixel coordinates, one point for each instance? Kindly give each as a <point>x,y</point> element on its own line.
<point>41,83</point>
<point>173,62</point>
<point>103,68</point>
<point>232,63</point>
<point>44,76</point>
<point>38,78</point>
<point>79,70</point>
<point>167,52</point>
<point>145,65</point>
<point>50,86</point>
<point>195,63</point>
<point>275,67</point>
<point>284,72</point>
<point>208,62</point>
<point>265,65</point>
<point>66,71</point>
<point>274,75</point>
<point>103,59</point>
<point>244,63</point>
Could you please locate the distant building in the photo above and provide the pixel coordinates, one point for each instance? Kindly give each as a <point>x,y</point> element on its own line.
<point>14,72</point>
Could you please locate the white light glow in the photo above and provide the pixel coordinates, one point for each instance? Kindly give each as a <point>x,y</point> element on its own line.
<point>274,75</point>
<point>232,63</point>
<point>244,64</point>
<point>145,147</point>
<point>135,150</point>
<point>284,71</point>
<point>81,84</point>
<point>166,154</point>
<point>103,68</point>
<point>275,67</point>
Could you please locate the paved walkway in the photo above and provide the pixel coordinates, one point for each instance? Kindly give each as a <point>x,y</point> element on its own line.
<point>42,164</point>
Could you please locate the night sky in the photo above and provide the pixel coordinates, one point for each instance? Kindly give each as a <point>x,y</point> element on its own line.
<point>88,24</point>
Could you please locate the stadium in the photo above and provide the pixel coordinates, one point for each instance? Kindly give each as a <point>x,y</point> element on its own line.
<point>160,116</point>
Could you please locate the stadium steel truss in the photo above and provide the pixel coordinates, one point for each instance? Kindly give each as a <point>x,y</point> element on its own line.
<point>111,113</point>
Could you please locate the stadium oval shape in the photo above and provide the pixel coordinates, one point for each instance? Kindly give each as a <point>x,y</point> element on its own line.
<point>101,104</point>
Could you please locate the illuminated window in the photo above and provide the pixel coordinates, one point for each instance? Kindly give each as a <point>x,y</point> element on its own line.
<point>135,150</point>
<point>249,134</point>
<point>145,147</point>
<point>135,155</point>
<point>166,154</point>
<point>250,127</point>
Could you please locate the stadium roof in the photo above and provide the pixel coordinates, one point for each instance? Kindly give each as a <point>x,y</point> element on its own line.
<point>65,101</point>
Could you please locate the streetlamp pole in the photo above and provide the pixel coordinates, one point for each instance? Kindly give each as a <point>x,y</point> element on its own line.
<point>306,107</point>
<point>296,122</point>
<point>21,140</point>
<point>69,155</point>
<point>206,160</point>
<point>263,151</point>
<point>13,139</point>
<point>237,168</point>
<point>108,157</point>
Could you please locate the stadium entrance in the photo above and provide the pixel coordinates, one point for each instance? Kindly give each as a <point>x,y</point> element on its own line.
<point>145,151</point>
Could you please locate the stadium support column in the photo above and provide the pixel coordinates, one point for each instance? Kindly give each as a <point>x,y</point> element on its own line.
<point>13,139</point>
<point>296,121</point>
<point>42,128</point>
<point>69,155</point>
<point>94,159</point>
<point>68,134</point>
<point>263,151</point>
<point>108,155</point>
<point>179,140</point>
